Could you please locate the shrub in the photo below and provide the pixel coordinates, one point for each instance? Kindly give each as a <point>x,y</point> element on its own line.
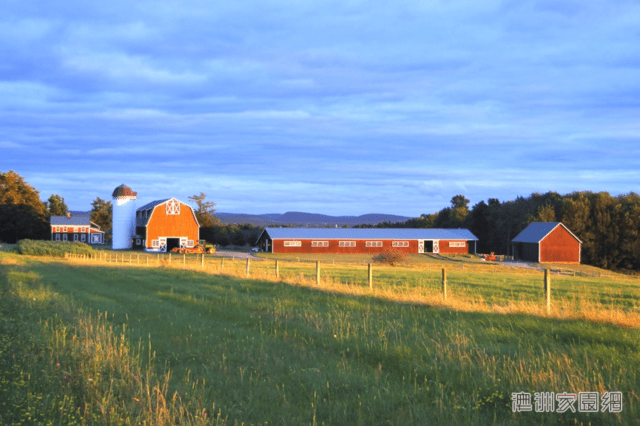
<point>391,257</point>
<point>52,248</point>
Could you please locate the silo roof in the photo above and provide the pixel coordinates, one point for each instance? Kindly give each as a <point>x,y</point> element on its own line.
<point>123,191</point>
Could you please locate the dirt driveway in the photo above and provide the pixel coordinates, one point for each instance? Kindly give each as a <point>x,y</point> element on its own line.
<point>236,254</point>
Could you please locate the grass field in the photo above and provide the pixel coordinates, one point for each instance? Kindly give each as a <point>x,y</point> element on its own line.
<point>179,346</point>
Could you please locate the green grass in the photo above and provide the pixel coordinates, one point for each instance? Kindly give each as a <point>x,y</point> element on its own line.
<point>269,353</point>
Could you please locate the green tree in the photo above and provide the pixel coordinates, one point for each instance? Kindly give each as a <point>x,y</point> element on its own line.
<point>545,213</point>
<point>102,215</point>
<point>205,212</point>
<point>22,213</point>
<point>56,206</point>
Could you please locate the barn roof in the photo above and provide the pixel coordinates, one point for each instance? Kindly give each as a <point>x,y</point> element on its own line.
<point>123,191</point>
<point>143,221</point>
<point>537,231</point>
<point>370,233</point>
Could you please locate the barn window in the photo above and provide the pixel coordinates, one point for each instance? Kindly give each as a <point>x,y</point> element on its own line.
<point>57,237</point>
<point>137,241</point>
<point>347,244</point>
<point>190,243</point>
<point>457,244</point>
<point>64,237</point>
<point>400,244</point>
<point>75,237</point>
<point>293,243</point>
<point>155,243</point>
<point>83,238</point>
<point>173,207</point>
<point>319,243</point>
<point>373,244</point>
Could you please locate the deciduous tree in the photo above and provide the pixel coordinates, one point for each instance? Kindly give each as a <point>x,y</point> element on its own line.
<point>22,213</point>
<point>56,206</point>
<point>205,213</point>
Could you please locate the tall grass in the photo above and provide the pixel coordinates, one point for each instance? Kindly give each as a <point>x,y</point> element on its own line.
<point>52,248</point>
<point>273,352</point>
<point>79,371</point>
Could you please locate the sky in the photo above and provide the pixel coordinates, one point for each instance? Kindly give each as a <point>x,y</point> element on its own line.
<point>333,107</point>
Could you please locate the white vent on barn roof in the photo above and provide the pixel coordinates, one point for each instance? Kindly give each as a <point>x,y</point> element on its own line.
<point>173,207</point>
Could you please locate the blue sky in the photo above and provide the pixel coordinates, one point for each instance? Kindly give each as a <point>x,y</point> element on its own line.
<point>334,107</point>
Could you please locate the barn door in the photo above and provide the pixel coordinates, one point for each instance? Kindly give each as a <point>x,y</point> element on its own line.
<point>421,246</point>
<point>436,246</point>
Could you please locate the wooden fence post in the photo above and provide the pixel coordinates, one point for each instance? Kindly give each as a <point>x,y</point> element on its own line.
<point>202,261</point>
<point>129,259</point>
<point>370,277</point>
<point>221,263</point>
<point>277,270</point>
<point>169,258</point>
<point>247,266</point>
<point>444,283</point>
<point>317,272</point>
<point>547,289</point>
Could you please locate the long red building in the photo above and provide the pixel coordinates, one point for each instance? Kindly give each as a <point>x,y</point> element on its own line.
<point>366,240</point>
<point>547,242</point>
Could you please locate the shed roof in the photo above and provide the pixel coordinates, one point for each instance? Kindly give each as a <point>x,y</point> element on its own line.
<point>370,233</point>
<point>537,231</point>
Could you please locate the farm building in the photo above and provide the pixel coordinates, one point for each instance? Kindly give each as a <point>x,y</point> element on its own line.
<point>547,242</point>
<point>369,240</point>
<point>76,226</point>
<point>160,225</point>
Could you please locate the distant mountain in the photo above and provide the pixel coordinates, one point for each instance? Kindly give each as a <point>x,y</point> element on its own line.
<point>308,219</point>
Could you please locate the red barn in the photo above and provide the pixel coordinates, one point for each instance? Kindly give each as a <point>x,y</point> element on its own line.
<point>547,242</point>
<point>366,240</point>
<point>165,224</point>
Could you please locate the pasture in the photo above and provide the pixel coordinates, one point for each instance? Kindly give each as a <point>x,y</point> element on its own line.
<point>176,343</point>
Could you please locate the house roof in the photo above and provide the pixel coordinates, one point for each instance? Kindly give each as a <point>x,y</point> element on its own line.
<point>537,231</point>
<point>370,233</point>
<point>76,219</point>
<point>123,191</point>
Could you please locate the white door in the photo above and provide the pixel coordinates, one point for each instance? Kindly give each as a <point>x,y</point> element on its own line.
<point>436,247</point>
<point>421,246</point>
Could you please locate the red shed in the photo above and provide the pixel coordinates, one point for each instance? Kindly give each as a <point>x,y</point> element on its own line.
<point>547,242</point>
<point>366,240</point>
<point>165,224</point>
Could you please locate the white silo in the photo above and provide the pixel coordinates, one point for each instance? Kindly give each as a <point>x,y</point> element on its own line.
<point>124,217</point>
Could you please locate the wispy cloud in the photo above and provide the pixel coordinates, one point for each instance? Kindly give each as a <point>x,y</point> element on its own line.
<point>334,107</point>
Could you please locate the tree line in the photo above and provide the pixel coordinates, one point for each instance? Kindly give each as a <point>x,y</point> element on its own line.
<point>608,226</point>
